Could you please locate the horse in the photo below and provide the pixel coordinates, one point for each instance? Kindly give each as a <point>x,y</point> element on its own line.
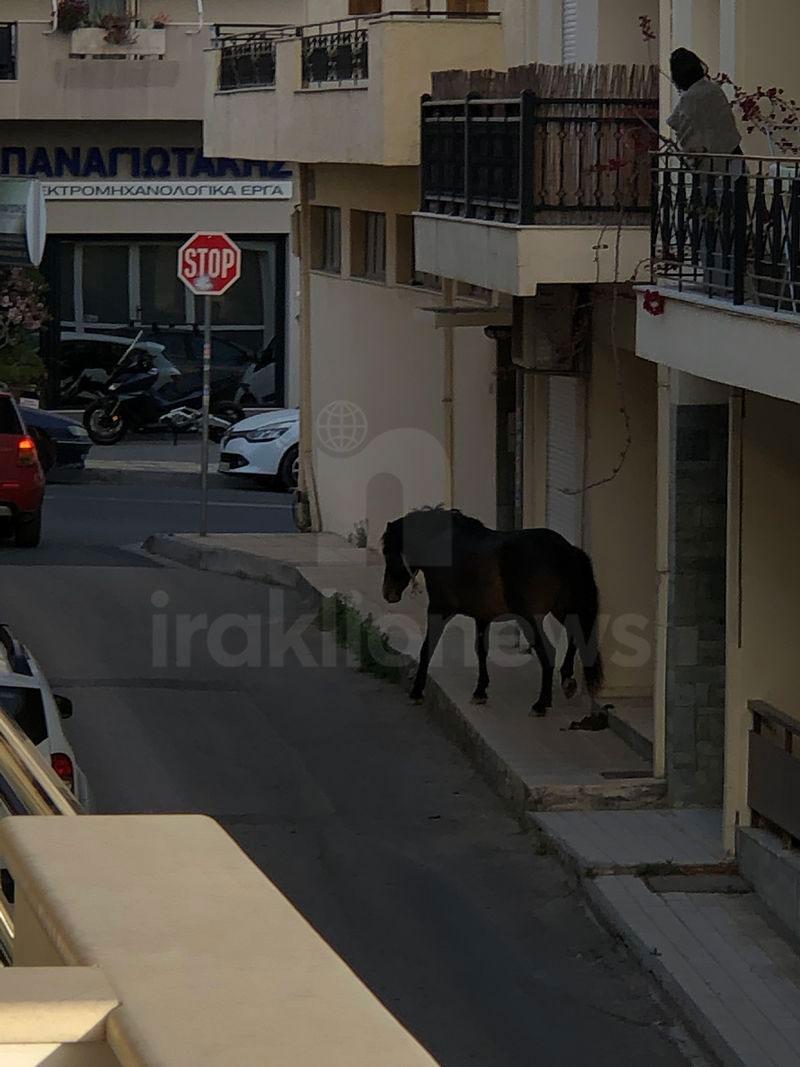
<point>488,575</point>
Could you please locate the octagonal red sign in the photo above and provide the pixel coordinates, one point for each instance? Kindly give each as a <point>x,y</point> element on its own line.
<point>209,263</point>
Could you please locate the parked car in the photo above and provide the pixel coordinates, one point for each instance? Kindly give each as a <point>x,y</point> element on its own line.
<point>21,478</point>
<point>265,445</point>
<point>26,697</point>
<point>87,360</point>
<point>62,443</point>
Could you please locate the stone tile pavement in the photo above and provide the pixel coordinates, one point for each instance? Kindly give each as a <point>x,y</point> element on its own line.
<point>734,976</point>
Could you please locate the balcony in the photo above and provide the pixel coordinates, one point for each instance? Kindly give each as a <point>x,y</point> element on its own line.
<point>337,92</point>
<point>46,75</point>
<point>726,262</point>
<point>528,189</point>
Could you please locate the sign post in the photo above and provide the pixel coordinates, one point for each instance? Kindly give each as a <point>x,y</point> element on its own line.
<point>208,265</point>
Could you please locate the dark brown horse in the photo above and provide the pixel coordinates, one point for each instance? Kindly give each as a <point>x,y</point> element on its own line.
<point>487,575</point>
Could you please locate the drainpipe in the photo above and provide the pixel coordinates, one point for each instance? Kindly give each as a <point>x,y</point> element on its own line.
<point>663,576</point>
<point>201,18</point>
<point>308,513</point>
<point>448,389</point>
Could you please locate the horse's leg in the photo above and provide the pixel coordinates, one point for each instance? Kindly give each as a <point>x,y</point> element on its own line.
<point>569,686</point>
<point>482,652</point>
<point>436,625</point>
<point>544,649</point>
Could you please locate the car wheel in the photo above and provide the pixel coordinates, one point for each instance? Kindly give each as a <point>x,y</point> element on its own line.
<point>289,470</point>
<point>28,532</point>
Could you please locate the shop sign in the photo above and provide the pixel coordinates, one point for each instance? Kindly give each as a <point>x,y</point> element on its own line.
<point>150,163</point>
<point>168,190</point>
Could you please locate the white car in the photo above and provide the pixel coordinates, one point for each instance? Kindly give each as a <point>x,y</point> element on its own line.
<point>26,697</point>
<point>265,445</point>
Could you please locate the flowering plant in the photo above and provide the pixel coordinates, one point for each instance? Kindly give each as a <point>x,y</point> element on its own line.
<point>23,312</point>
<point>767,111</point>
<point>72,14</point>
<point>119,29</point>
<point>160,21</point>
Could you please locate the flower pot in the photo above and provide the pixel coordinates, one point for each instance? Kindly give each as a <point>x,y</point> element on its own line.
<point>91,41</point>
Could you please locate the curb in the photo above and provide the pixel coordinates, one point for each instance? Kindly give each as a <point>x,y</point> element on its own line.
<point>438,706</point>
<point>132,476</point>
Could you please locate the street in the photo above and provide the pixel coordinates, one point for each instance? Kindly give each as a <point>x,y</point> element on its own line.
<point>371,822</point>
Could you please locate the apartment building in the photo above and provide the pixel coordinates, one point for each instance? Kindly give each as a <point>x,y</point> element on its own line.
<point>477,352</point>
<point>113,129</point>
<point>723,332</point>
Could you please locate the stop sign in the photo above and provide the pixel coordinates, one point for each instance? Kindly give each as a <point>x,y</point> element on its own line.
<point>209,263</point>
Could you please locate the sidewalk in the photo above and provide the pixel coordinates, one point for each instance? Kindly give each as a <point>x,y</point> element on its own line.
<point>534,763</point>
<point>658,879</point>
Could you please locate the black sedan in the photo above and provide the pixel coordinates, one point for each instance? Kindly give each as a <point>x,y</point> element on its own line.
<point>63,444</point>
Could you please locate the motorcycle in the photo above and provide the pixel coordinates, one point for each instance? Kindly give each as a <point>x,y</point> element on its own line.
<point>131,402</point>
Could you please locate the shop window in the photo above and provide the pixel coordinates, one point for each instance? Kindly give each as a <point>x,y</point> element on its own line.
<point>106,296</point>
<point>326,239</point>
<point>243,304</point>
<point>67,281</point>
<point>368,247</point>
<point>162,293</point>
<point>406,272</point>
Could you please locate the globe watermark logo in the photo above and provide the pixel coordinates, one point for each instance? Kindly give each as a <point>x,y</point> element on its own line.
<point>341,427</point>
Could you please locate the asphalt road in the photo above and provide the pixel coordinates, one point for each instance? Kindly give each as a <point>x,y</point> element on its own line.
<point>375,827</point>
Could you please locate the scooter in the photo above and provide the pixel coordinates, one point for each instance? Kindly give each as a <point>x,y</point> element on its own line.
<point>132,403</point>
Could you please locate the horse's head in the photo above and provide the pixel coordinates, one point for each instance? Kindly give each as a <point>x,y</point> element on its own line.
<point>398,571</point>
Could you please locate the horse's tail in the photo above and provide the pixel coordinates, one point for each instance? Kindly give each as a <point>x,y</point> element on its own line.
<point>587,604</point>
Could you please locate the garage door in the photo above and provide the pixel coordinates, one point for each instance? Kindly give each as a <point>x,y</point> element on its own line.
<point>565,450</point>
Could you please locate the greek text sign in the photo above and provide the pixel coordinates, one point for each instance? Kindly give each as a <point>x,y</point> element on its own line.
<point>134,162</point>
<point>168,190</point>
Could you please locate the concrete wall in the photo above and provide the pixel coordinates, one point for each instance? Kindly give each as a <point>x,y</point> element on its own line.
<point>763,662</point>
<point>379,119</point>
<point>620,525</point>
<point>372,346</point>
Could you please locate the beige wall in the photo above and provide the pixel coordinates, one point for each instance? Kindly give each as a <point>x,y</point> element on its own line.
<point>377,123</point>
<point>371,345</point>
<point>764,665</point>
<point>620,524</point>
<point>620,37</point>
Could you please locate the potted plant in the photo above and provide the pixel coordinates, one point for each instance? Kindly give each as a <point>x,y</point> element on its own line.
<point>72,14</point>
<point>160,21</point>
<point>119,29</point>
<point>23,313</point>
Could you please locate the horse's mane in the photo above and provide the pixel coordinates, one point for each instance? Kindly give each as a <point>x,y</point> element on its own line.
<point>431,521</point>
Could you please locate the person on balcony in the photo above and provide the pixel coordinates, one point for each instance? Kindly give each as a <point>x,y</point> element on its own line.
<point>703,120</point>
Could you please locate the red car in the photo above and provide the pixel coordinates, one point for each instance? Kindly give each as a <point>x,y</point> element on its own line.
<point>21,478</point>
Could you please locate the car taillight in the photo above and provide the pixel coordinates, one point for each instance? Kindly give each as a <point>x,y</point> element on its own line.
<point>26,452</point>
<point>62,765</point>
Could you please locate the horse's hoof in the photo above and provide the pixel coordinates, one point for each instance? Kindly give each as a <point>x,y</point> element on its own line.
<point>569,687</point>
<point>538,711</point>
<point>479,701</point>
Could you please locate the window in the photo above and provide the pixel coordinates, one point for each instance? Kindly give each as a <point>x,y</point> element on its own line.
<point>105,284</point>
<point>326,236</point>
<point>474,292</point>
<point>406,272</point>
<point>9,420</point>
<point>364,7</point>
<point>162,293</point>
<point>368,235</point>
<point>25,707</point>
<point>467,7</point>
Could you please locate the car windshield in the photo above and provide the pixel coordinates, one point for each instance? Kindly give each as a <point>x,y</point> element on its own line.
<point>25,707</point>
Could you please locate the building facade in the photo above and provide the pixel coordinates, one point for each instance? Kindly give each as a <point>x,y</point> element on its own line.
<point>114,133</point>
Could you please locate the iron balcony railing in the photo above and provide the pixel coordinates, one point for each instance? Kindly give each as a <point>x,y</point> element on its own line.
<point>530,160</point>
<point>773,775</point>
<point>247,60</point>
<point>335,52</point>
<point>729,227</point>
<point>8,51</point>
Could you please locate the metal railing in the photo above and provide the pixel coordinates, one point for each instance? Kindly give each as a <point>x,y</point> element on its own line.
<point>529,159</point>
<point>247,61</point>
<point>773,775</point>
<point>337,55</point>
<point>729,227</point>
<point>8,51</point>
